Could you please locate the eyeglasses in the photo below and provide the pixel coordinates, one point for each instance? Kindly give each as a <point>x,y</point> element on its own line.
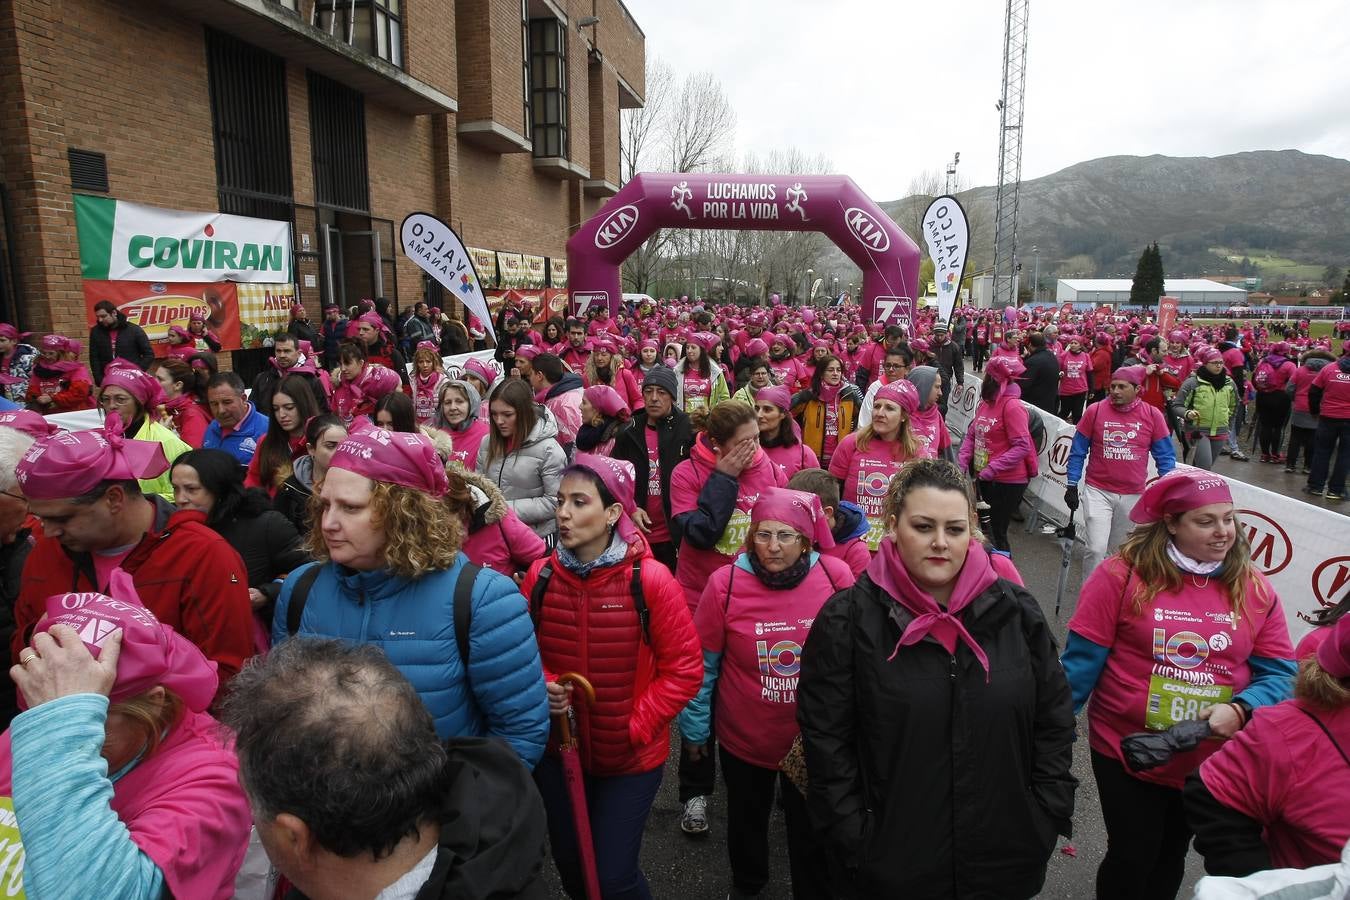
<point>106,400</point>
<point>891,367</point>
<point>783,537</point>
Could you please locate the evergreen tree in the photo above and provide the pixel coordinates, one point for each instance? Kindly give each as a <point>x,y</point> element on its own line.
<point>1147,286</point>
<point>1157,279</point>
<point>1139,287</point>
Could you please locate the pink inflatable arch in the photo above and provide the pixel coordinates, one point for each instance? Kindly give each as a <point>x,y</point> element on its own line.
<point>830,204</point>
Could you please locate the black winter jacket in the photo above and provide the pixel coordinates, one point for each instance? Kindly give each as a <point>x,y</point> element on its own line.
<point>1040,384</point>
<point>132,345</point>
<point>674,438</point>
<point>269,546</point>
<point>926,781</point>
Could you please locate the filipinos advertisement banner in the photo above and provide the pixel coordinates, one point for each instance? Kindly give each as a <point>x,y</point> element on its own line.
<point>1298,546</point>
<point>122,241</point>
<point>157,305</point>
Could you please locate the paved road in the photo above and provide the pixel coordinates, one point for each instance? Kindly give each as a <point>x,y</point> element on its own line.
<point>679,867</point>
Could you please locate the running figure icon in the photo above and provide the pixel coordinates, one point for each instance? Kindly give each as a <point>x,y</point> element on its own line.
<point>679,194</point>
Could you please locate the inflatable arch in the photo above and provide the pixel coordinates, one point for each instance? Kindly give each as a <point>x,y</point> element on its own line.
<point>830,204</point>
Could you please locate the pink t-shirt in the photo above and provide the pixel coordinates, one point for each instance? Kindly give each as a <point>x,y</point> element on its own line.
<point>1335,385</point>
<point>760,633</point>
<point>866,475</point>
<point>931,431</point>
<point>793,459</point>
<point>1185,652</point>
<point>1118,461</point>
<point>1075,368</point>
<point>656,511</point>
<point>1267,773</point>
<point>697,391</point>
<point>786,372</point>
<point>467,442</point>
<point>1179,367</point>
<point>424,395</point>
<point>991,433</point>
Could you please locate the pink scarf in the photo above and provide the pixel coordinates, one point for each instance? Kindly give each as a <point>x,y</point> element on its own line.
<point>888,572</point>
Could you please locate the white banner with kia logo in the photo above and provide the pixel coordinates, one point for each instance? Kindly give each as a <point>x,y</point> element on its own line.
<point>1301,548</point>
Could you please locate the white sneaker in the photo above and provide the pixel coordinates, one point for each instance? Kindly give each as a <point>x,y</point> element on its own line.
<point>695,818</point>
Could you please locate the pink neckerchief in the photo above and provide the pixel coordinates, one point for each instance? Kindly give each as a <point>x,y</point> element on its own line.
<point>888,572</point>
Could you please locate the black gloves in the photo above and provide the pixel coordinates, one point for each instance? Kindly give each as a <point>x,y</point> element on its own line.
<point>1071,497</point>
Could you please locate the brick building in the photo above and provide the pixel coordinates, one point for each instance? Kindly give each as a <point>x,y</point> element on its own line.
<point>341,116</point>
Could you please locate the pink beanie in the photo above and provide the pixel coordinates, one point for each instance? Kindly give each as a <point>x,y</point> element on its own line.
<point>1178,491</point>
<point>620,479</point>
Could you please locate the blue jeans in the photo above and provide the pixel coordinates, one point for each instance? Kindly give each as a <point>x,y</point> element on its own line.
<point>618,805</point>
<point>1333,435</point>
<point>1235,425</point>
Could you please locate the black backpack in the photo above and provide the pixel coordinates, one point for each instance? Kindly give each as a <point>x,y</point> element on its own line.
<point>463,604</point>
<point>635,588</point>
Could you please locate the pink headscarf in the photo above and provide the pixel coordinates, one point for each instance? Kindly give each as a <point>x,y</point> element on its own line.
<point>147,390</point>
<point>404,458</point>
<point>756,347</point>
<point>619,478</point>
<point>1004,369</point>
<point>903,394</point>
<point>9,331</point>
<point>1178,491</point>
<point>428,345</point>
<point>153,654</point>
<point>61,344</point>
<point>30,423</point>
<point>607,401</point>
<point>187,336</point>
<point>798,509</point>
<point>72,463</point>
<point>484,371</point>
<point>1131,374</point>
<point>776,394</point>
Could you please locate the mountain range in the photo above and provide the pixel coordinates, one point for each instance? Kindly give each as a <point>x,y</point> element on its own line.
<point>1094,218</point>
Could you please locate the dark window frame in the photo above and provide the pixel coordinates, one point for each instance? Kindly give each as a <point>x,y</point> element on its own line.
<point>383,20</point>
<point>549,133</point>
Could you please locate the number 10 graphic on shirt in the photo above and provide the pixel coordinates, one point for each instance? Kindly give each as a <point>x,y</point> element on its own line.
<point>1178,693</point>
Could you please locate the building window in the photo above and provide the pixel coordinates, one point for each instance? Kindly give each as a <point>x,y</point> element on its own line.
<point>548,87</point>
<point>525,62</point>
<point>250,125</point>
<point>374,26</point>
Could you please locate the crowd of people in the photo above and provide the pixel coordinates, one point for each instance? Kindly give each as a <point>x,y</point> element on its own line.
<point>372,627</point>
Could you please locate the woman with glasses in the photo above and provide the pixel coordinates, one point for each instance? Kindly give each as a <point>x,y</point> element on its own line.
<point>133,397</point>
<point>752,621</point>
<point>828,409</point>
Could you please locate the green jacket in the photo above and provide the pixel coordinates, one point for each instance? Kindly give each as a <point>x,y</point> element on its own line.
<point>174,446</point>
<point>1214,408</point>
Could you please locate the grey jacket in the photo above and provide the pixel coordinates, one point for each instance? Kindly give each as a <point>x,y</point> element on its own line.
<point>528,476</point>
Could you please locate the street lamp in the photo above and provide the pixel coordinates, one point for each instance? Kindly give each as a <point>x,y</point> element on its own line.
<point>1036,283</point>
<point>810,279</point>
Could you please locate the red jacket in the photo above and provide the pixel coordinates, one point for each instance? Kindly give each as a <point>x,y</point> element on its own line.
<point>590,626</point>
<point>1101,368</point>
<point>185,573</point>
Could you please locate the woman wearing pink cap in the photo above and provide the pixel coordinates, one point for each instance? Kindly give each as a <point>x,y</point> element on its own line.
<point>779,434</point>
<point>60,382</point>
<point>603,413</point>
<point>361,382</point>
<point>1178,625</point>
<point>202,337</point>
<point>1206,403</point>
<point>936,721</point>
<point>700,380</point>
<point>604,367</point>
<point>1275,796</point>
<point>115,778</point>
<point>484,378</point>
<point>604,608</point>
<point>1272,401</point>
<point>752,622</point>
<point>16,363</point>
<point>867,460</point>
<point>828,409</point>
<point>378,343</point>
<point>133,398</point>
<point>998,449</point>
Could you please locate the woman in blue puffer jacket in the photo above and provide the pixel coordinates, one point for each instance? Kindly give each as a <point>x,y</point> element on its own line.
<point>389,575</point>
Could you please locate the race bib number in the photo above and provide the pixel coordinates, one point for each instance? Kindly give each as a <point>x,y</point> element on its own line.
<point>981,458</point>
<point>11,853</point>
<point>733,539</point>
<point>1171,701</point>
<point>693,403</point>
<point>876,532</point>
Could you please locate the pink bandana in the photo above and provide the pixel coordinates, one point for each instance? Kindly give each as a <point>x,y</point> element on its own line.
<point>394,457</point>
<point>61,344</point>
<point>147,390</point>
<point>798,509</point>
<point>619,478</point>
<point>72,463</point>
<point>27,421</point>
<point>903,394</point>
<point>606,400</point>
<point>153,654</point>
<point>1179,491</point>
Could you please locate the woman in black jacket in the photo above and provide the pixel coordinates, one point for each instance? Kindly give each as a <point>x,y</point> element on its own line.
<point>212,482</point>
<point>936,720</point>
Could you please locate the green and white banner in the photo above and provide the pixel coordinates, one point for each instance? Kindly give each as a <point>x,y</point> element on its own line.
<point>122,241</point>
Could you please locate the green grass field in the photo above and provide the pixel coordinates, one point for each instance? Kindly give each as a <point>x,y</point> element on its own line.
<point>1317,329</point>
<point>1272,265</point>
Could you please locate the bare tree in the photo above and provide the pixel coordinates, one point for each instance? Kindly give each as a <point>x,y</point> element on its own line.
<point>641,129</point>
<point>701,124</point>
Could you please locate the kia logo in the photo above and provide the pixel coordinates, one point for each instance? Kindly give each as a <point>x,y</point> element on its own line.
<point>1059,455</point>
<point>865,228</point>
<point>1330,578</point>
<point>968,393</point>
<point>1271,548</point>
<point>616,226</point>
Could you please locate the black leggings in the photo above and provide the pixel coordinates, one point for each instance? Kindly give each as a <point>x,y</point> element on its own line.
<point>1272,410</point>
<point>1146,835</point>
<point>1300,441</point>
<point>1003,500</point>
<point>1071,407</point>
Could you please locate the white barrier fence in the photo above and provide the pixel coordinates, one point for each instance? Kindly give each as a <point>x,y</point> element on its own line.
<point>1303,549</point>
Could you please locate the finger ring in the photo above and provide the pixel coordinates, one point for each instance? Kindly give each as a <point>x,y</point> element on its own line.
<point>25,660</point>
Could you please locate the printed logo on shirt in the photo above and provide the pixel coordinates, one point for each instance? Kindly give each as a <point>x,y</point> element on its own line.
<point>1189,672</point>
<point>779,668</point>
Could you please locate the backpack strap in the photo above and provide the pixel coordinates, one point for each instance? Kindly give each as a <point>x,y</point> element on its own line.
<point>1326,731</point>
<point>464,608</point>
<point>640,603</point>
<point>537,592</point>
<point>299,597</point>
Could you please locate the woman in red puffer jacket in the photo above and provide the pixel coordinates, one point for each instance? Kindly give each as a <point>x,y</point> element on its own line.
<point>638,649</point>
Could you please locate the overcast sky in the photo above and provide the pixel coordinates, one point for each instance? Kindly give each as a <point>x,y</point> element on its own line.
<point>886,89</point>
